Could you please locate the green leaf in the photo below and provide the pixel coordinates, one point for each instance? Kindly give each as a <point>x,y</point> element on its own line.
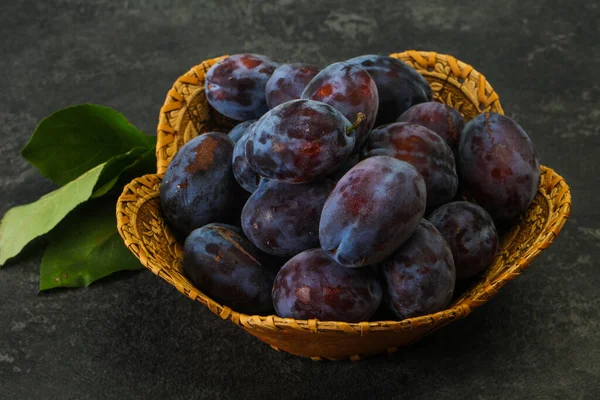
<point>85,247</point>
<point>74,140</point>
<point>146,164</point>
<point>115,167</point>
<point>22,224</point>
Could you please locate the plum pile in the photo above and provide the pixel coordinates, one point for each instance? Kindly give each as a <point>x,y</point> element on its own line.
<point>342,192</point>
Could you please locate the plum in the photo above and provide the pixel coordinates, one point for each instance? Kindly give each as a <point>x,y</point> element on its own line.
<point>312,285</point>
<point>288,82</point>
<point>471,234</point>
<point>444,120</point>
<point>372,211</point>
<point>235,86</point>
<point>420,277</point>
<point>299,141</point>
<point>498,165</point>
<point>240,130</point>
<point>244,174</point>
<point>198,186</point>
<point>282,219</point>
<point>349,89</point>
<point>221,262</point>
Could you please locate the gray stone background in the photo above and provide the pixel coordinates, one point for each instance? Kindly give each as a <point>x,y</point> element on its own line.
<point>133,336</point>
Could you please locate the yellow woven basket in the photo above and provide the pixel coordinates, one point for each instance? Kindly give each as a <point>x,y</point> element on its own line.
<point>186,114</point>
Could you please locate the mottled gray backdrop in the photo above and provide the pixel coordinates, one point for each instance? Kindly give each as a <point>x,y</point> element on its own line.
<point>133,336</point>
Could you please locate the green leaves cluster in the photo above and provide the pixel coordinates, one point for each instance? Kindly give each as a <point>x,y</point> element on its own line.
<point>91,152</point>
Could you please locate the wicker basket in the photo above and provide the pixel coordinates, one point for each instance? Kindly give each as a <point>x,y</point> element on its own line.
<point>186,114</point>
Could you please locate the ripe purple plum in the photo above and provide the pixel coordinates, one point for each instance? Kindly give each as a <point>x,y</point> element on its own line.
<point>372,211</point>
<point>312,285</point>
<point>199,187</point>
<point>282,219</point>
<point>240,130</point>
<point>245,176</point>
<point>470,233</point>
<point>498,165</point>
<point>221,262</point>
<point>235,86</point>
<point>288,82</point>
<point>420,277</point>
<point>299,141</point>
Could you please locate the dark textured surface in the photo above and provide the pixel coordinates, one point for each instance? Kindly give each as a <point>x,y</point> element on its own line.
<point>133,336</point>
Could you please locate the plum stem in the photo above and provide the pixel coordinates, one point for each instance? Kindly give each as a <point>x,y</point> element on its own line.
<point>360,117</point>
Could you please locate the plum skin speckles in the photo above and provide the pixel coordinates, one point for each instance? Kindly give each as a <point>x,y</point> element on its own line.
<point>372,211</point>
<point>420,277</point>
<point>311,285</point>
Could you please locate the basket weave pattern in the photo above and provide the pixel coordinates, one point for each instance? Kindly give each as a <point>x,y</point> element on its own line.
<point>186,114</point>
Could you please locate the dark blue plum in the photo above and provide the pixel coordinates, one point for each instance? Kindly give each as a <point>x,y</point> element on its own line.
<point>299,141</point>
<point>498,165</point>
<point>444,120</point>
<point>245,176</point>
<point>283,219</point>
<point>288,81</point>
<point>399,85</point>
<point>312,285</point>
<point>349,89</point>
<point>199,187</point>
<point>240,130</point>
<point>471,234</point>
<point>235,86</point>
<point>221,262</point>
<point>372,211</point>
<point>419,278</point>
<point>422,148</point>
